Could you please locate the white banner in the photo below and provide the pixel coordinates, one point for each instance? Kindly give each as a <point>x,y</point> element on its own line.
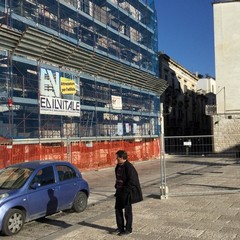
<point>127,127</point>
<point>52,89</point>
<point>116,102</point>
<point>134,128</point>
<point>120,129</point>
<point>49,83</point>
<point>59,106</point>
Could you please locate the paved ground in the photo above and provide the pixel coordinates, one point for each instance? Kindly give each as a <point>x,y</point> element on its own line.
<point>203,203</point>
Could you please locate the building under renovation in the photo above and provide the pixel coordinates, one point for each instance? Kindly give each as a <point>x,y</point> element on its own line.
<point>78,80</point>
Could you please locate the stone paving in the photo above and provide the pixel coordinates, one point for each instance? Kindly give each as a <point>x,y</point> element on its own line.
<point>186,217</point>
<point>203,203</point>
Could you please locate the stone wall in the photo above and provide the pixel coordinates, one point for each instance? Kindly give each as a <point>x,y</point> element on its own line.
<point>226,131</point>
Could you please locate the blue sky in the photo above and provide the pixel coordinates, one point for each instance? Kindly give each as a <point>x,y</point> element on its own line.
<point>185,33</point>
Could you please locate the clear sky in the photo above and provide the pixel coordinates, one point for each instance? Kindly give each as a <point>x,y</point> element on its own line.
<point>185,33</point>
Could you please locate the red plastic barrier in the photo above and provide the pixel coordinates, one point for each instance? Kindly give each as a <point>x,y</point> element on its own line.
<point>84,155</point>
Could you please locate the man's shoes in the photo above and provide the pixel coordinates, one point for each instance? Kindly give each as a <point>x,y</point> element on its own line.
<point>124,233</point>
<point>117,231</point>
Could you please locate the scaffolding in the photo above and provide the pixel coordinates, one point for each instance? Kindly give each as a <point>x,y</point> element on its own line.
<point>105,51</point>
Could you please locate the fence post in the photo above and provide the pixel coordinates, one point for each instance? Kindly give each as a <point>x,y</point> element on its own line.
<point>69,155</point>
<point>163,183</point>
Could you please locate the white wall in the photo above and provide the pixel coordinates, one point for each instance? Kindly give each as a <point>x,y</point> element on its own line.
<point>207,84</point>
<point>227,56</point>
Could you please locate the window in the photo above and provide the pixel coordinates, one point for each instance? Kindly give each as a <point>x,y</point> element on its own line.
<point>173,83</point>
<point>185,88</point>
<point>179,86</point>
<point>65,173</point>
<point>44,176</point>
<point>13,177</point>
<point>180,114</point>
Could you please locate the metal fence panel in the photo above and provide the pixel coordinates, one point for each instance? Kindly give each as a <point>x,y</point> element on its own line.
<point>202,145</point>
<point>191,167</point>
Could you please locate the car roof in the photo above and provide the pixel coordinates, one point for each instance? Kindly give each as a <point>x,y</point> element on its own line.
<point>37,163</point>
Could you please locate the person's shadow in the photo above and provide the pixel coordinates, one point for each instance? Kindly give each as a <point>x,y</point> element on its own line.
<point>92,225</point>
<point>52,204</point>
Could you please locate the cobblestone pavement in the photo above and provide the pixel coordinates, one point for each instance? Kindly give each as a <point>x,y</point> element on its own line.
<point>203,203</point>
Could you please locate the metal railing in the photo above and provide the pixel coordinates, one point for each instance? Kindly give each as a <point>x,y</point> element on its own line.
<point>190,166</point>
<point>202,145</point>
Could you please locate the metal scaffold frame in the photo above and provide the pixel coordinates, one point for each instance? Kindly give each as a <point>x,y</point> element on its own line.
<point>102,47</point>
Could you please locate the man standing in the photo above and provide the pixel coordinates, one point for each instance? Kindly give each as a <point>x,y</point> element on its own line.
<point>128,191</point>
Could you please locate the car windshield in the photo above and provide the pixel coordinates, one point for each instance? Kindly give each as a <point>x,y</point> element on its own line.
<point>14,177</point>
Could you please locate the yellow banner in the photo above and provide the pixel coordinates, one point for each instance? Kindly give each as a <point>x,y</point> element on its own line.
<point>67,86</point>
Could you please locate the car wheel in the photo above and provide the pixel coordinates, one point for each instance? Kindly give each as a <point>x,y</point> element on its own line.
<point>13,222</point>
<point>80,202</point>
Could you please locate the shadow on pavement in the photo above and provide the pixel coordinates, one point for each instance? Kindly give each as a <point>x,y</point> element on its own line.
<point>202,163</point>
<point>54,222</point>
<point>213,186</point>
<point>153,196</point>
<point>92,225</point>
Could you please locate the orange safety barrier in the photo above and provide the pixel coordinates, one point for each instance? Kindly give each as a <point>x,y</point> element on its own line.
<point>84,155</point>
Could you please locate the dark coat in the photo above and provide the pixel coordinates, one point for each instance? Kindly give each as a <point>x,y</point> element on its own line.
<point>131,191</point>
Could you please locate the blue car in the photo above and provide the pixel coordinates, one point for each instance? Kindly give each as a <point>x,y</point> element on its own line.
<point>35,189</point>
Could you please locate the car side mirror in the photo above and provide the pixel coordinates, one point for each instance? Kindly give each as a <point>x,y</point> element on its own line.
<point>35,185</point>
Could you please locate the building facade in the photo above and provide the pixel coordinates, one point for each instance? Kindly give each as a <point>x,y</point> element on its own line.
<point>207,86</point>
<point>184,106</point>
<point>227,59</point>
<point>82,71</point>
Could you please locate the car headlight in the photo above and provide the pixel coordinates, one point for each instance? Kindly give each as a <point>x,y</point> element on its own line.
<point>4,195</point>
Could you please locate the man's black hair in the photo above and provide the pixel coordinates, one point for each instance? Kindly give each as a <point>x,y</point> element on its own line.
<point>122,154</point>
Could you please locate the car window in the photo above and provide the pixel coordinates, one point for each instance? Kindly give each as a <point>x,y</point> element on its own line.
<point>14,177</point>
<point>44,176</point>
<point>65,172</point>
